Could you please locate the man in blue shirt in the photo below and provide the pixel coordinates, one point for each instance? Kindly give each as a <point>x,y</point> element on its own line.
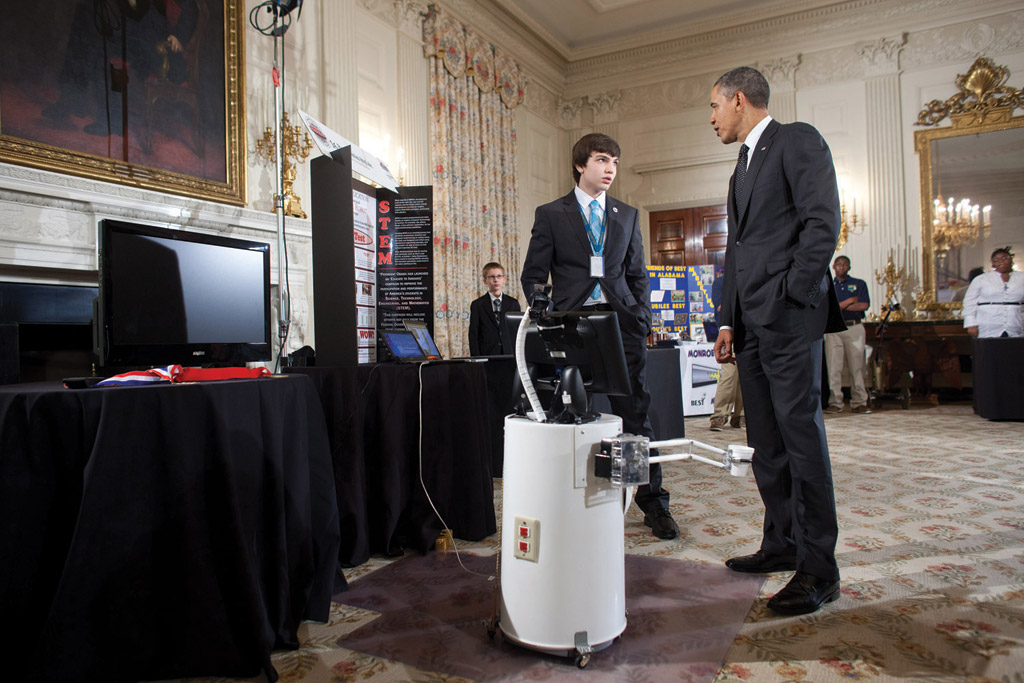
<point>847,347</point>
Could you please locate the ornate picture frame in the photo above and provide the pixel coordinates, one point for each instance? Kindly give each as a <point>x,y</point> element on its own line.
<point>983,125</point>
<point>147,93</point>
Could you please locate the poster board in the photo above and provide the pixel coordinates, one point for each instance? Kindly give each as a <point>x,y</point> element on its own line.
<point>681,300</point>
<point>372,260</point>
<point>698,372</point>
<point>405,258</point>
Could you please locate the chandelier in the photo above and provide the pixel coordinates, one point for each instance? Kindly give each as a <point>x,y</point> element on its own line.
<point>956,224</point>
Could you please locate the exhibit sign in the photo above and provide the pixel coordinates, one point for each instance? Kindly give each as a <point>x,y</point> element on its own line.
<point>681,300</point>
<point>405,257</point>
<point>699,375</point>
<point>364,231</point>
<point>363,163</point>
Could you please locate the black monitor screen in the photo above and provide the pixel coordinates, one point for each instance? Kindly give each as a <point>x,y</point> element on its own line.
<point>172,296</point>
<point>590,342</point>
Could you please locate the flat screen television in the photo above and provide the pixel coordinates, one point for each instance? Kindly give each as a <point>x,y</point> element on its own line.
<point>171,296</point>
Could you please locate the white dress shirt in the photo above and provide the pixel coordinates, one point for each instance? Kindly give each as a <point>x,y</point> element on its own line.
<point>995,306</point>
<point>751,141</point>
<point>584,200</point>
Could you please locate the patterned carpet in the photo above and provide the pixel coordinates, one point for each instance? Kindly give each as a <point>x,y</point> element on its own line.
<point>683,617</point>
<point>931,550</point>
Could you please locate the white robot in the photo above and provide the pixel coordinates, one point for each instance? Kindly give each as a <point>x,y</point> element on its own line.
<point>567,483</point>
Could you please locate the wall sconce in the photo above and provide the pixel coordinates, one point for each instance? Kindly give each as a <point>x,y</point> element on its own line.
<point>848,227</point>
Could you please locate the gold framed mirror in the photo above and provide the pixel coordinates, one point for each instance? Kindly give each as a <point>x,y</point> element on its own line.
<point>972,173</point>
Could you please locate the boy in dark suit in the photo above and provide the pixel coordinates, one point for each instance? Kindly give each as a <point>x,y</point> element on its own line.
<point>487,333</point>
<point>590,246</point>
<point>777,303</point>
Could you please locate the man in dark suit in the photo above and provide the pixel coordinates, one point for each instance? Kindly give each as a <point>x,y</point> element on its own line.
<point>778,302</point>
<point>487,333</point>
<point>590,246</point>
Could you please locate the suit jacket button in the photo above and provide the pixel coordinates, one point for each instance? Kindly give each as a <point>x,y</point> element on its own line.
<point>738,243</point>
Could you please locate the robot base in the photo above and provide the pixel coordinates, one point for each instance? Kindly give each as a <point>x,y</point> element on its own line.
<point>563,541</point>
<point>580,654</point>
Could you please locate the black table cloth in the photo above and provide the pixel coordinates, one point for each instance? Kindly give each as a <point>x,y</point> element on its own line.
<point>666,388</point>
<point>373,419</point>
<point>501,381</point>
<point>998,369</point>
<point>162,531</point>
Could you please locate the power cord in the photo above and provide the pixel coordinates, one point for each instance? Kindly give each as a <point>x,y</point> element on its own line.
<point>423,485</point>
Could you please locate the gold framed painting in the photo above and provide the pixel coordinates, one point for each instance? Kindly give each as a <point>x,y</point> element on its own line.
<point>146,93</point>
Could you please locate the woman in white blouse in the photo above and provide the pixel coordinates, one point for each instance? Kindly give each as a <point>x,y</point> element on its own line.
<point>994,303</point>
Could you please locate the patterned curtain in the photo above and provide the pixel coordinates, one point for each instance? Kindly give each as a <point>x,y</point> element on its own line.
<point>473,89</point>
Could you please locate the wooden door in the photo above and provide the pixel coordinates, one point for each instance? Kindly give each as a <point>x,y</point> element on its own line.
<point>689,237</point>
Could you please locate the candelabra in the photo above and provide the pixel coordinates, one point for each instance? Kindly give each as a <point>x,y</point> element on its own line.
<point>295,148</point>
<point>957,223</point>
<point>892,277</point>
<point>847,227</point>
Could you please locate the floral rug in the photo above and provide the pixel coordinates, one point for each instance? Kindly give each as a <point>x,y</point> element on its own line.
<point>931,552</point>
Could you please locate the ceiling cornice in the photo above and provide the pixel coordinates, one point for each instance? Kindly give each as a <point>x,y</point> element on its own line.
<point>648,62</point>
<point>809,31</point>
<point>724,22</point>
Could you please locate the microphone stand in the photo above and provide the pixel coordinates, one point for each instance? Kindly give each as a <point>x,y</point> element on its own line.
<point>283,295</point>
<point>280,10</point>
<point>882,327</point>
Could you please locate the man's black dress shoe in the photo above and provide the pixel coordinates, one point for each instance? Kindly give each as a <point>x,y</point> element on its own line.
<point>662,525</point>
<point>761,563</point>
<point>805,593</point>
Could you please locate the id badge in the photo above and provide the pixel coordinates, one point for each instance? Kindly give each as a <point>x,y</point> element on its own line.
<point>597,266</point>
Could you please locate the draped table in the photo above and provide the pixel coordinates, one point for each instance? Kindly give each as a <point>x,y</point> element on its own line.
<point>162,531</point>
<point>390,478</point>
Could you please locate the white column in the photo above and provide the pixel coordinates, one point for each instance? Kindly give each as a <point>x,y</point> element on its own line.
<point>413,109</point>
<point>339,79</point>
<point>884,213</point>
<point>781,76</point>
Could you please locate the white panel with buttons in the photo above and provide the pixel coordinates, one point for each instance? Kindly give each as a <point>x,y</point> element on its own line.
<point>527,538</point>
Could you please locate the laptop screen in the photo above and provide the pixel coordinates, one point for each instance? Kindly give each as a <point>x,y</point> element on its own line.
<point>423,338</point>
<point>402,345</point>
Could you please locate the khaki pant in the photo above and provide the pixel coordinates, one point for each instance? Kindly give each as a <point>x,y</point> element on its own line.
<point>846,348</point>
<point>728,398</point>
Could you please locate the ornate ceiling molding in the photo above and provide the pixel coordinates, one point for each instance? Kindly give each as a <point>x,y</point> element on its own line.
<point>405,15</point>
<point>804,32</point>
<point>835,43</point>
<point>605,106</point>
<point>569,112</point>
<point>963,41</point>
<point>780,72</point>
<point>882,57</point>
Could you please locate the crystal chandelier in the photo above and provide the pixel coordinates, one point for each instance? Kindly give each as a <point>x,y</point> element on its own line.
<point>960,223</point>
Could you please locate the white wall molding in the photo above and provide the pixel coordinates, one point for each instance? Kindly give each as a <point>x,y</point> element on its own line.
<point>49,228</point>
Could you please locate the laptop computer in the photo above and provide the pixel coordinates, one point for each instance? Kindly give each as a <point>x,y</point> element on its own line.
<point>415,345</point>
<point>403,346</point>
<point>419,330</point>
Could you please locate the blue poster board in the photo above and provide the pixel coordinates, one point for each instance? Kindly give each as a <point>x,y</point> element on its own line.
<point>681,300</point>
